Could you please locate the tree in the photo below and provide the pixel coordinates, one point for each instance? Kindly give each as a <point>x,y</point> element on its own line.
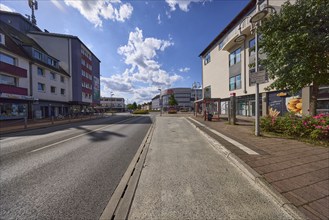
<point>172,101</point>
<point>296,44</point>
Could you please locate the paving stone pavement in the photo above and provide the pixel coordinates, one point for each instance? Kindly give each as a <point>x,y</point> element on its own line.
<point>297,170</point>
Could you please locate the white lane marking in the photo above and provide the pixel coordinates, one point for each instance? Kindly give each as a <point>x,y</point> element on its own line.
<point>235,143</point>
<point>50,145</point>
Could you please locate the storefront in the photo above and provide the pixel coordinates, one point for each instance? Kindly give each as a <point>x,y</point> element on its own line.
<point>14,106</point>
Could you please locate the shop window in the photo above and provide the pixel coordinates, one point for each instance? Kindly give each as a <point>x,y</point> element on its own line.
<point>13,110</point>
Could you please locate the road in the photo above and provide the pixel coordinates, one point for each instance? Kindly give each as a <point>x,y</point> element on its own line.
<point>67,171</point>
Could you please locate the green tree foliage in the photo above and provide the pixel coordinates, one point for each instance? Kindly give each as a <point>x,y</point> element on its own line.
<point>172,101</point>
<point>132,106</point>
<point>296,44</point>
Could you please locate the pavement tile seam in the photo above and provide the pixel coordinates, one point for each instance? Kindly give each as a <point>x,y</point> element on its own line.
<point>292,167</point>
<point>284,159</point>
<point>314,212</point>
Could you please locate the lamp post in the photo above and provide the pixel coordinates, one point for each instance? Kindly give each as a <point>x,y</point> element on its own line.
<point>255,19</point>
<point>160,102</point>
<point>111,102</point>
<point>195,86</point>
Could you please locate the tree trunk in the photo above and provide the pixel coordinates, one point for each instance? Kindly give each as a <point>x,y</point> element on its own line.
<point>314,98</point>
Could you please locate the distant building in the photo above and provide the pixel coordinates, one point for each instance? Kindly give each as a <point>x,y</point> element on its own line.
<point>113,104</point>
<point>155,103</point>
<point>185,97</point>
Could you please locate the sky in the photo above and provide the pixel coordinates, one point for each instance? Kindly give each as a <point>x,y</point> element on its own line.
<point>143,45</point>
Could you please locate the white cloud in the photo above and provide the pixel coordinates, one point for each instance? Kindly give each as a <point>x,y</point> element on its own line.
<point>159,19</point>
<point>6,8</point>
<point>58,5</point>
<point>184,70</point>
<point>97,10</point>
<point>144,74</point>
<point>182,4</point>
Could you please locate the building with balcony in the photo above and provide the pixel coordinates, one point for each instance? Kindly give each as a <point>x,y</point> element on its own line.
<point>228,66</point>
<point>155,103</point>
<point>32,82</point>
<point>79,62</point>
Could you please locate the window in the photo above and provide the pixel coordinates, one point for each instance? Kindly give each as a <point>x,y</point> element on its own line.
<point>62,91</point>
<point>235,82</point>
<point>52,89</point>
<point>37,55</point>
<point>41,87</point>
<point>235,57</point>
<point>52,76</point>
<point>220,45</point>
<point>51,62</point>
<point>40,72</point>
<point>7,59</point>
<point>252,47</point>
<point>207,59</point>
<point>62,79</point>
<point>2,39</point>
<point>8,80</point>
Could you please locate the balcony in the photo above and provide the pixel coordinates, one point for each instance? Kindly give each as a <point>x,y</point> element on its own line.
<point>13,70</point>
<point>12,90</point>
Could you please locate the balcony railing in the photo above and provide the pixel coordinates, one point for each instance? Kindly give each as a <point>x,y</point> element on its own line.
<point>13,70</point>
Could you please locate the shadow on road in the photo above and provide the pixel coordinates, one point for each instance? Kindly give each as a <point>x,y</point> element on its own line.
<point>100,122</point>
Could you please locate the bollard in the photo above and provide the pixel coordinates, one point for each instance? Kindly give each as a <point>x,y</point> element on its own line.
<point>25,122</point>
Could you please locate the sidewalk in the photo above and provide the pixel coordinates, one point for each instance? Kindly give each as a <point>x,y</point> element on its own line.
<point>185,178</point>
<point>297,170</point>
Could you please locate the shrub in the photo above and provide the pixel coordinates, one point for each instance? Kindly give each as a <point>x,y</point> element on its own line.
<point>140,112</point>
<point>316,128</point>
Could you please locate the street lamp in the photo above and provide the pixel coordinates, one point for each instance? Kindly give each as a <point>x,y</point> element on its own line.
<point>260,15</point>
<point>195,86</point>
<point>111,102</point>
<point>160,103</point>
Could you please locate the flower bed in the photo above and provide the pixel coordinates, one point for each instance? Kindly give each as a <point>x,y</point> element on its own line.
<point>315,128</point>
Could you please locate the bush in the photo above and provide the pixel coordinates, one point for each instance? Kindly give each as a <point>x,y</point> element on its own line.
<point>140,112</point>
<point>315,128</point>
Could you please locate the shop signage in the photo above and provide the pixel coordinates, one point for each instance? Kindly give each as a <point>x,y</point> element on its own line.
<point>14,96</point>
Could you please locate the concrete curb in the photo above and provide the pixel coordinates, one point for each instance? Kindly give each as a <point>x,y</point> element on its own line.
<point>121,200</point>
<point>252,175</point>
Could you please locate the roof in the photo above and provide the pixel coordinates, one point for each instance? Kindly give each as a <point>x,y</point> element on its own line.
<point>231,25</point>
<point>63,36</point>
<point>21,16</point>
<point>16,41</point>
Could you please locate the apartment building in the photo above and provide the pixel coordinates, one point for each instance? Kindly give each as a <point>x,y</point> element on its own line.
<point>32,83</point>
<point>64,75</point>
<point>155,103</point>
<point>79,62</point>
<point>228,67</point>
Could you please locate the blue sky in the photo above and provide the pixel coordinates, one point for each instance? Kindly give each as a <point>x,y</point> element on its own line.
<point>142,45</point>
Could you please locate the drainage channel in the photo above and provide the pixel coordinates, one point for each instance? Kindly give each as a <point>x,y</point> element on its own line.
<point>122,198</point>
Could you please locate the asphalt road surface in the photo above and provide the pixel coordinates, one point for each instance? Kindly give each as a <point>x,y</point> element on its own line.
<point>67,171</point>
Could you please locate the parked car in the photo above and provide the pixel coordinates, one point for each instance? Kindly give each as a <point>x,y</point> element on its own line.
<point>172,110</point>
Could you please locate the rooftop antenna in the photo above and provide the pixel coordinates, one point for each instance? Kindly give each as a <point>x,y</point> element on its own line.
<point>33,4</point>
